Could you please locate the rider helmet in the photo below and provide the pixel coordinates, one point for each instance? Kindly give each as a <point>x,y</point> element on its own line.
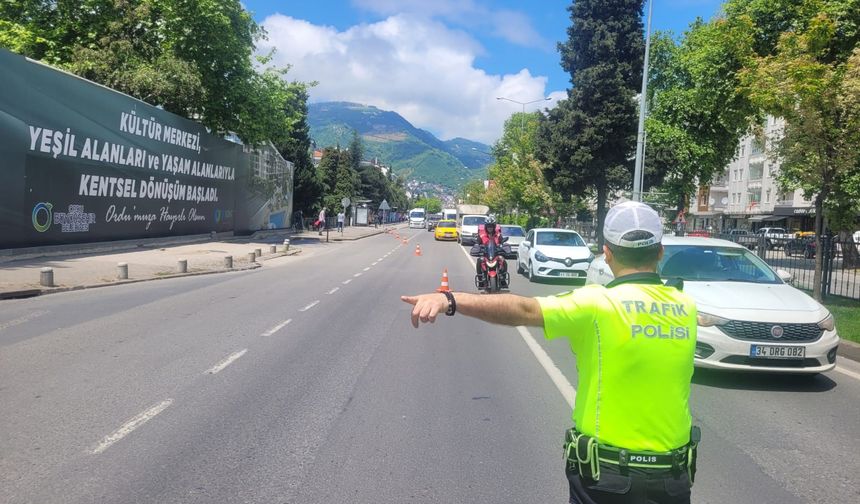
<point>490,224</point>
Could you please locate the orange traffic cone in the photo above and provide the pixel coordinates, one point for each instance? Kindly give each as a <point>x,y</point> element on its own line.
<point>418,250</point>
<point>444,287</point>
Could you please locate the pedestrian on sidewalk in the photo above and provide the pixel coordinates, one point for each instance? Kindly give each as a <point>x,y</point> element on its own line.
<point>321,220</point>
<point>632,440</point>
<point>340,218</point>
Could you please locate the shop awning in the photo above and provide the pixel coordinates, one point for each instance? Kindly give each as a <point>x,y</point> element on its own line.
<point>759,218</point>
<point>772,218</point>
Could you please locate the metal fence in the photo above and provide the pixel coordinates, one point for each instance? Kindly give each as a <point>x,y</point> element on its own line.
<point>796,255</point>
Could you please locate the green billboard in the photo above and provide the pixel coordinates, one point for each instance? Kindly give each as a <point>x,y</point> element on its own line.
<point>80,163</point>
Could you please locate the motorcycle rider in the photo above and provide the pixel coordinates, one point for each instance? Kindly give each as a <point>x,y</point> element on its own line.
<point>490,231</point>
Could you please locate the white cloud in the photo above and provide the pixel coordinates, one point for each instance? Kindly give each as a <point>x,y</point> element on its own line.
<point>513,26</point>
<point>415,66</point>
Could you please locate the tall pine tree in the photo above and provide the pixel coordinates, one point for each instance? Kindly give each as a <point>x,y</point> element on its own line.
<point>588,140</point>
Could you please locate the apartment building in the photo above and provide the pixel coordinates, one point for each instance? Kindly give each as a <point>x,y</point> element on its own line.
<point>746,195</point>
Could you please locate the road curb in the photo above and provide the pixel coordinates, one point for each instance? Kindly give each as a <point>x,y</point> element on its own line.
<point>849,350</point>
<point>26,293</point>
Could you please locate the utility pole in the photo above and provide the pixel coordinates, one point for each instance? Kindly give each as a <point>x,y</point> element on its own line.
<point>639,169</point>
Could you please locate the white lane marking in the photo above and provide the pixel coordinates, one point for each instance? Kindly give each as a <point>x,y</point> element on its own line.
<point>358,275</point>
<point>131,425</point>
<point>381,258</point>
<point>549,366</point>
<point>333,291</point>
<point>21,320</point>
<point>277,328</point>
<point>347,281</point>
<point>377,262</point>
<point>308,307</point>
<point>367,268</point>
<point>846,372</point>
<point>567,390</point>
<point>226,362</point>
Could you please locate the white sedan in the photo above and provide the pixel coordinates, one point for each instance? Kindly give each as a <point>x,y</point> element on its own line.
<point>749,318</point>
<point>553,253</point>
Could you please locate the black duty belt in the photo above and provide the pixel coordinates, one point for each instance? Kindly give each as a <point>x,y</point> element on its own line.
<point>584,454</point>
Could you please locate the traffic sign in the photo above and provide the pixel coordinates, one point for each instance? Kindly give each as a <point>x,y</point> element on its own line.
<point>384,205</point>
<point>345,202</point>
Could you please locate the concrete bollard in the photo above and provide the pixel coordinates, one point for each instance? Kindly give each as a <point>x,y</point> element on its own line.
<point>258,252</point>
<point>228,262</point>
<point>273,249</point>
<point>286,245</point>
<point>182,265</point>
<point>46,277</point>
<point>212,235</point>
<point>122,271</point>
<point>252,257</point>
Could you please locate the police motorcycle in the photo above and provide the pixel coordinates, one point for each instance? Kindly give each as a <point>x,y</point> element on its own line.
<point>493,275</point>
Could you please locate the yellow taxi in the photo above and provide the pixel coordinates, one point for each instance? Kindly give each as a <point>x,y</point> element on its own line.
<point>446,230</point>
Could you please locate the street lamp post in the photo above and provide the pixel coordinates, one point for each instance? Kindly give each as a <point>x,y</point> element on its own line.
<point>639,168</point>
<point>523,117</point>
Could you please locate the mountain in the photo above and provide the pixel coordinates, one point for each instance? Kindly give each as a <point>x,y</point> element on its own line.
<point>396,142</point>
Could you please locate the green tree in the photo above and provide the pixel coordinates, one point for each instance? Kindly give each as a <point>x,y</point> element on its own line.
<point>588,139</point>
<point>517,176</point>
<point>192,58</point>
<point>430,205</point>
<point>340,180</point>
<point>472,192</point>
<point>815,87</point>
<point>697,113</point>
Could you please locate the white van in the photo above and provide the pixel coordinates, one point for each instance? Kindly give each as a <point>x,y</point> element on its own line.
<point>417,218</point>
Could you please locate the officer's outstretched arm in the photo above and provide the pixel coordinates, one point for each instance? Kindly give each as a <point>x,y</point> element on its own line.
<point>506,309</point>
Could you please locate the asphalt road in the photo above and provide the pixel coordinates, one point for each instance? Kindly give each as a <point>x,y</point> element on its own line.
<point>304,382</point>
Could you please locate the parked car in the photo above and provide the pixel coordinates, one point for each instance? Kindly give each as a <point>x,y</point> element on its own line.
<point>749,318</point>
<point>743,237</point>
<point>446,230</point>
<point>515,236</point>
<point>774,237</point>
<point>553,253</point>
<point>804,245</point>
<point>468,229</point>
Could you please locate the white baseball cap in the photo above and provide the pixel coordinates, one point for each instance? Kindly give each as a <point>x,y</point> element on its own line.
<point>632,216</point>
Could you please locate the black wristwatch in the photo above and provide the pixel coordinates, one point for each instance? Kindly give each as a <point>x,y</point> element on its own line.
<point>452,303</point>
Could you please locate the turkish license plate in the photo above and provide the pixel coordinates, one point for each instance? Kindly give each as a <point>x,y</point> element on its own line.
<point>777,352</point>
<point>567,274</point>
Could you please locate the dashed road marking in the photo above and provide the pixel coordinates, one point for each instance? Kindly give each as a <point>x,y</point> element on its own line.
<point>277,328</point>
<point>128,427</point>
<point>333,291</point>
<point>20,320</point>
<point>347,281</point>
<point>358,275</point>
<point>308,307</point>
<point>226,362</point>
<point>367,268</point>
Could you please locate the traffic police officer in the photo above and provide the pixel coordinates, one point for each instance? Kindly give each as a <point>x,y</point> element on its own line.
<point>632,440</point>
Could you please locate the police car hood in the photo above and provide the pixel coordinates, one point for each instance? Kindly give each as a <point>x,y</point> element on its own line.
<point>749,296</point>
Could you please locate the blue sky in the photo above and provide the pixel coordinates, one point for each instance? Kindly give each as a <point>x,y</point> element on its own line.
<point>439,63</point>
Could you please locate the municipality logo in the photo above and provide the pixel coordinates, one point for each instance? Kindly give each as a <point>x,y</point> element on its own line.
<point>42,216</point>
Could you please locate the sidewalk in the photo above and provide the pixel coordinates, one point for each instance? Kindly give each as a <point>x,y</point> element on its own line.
<point>20,278</point>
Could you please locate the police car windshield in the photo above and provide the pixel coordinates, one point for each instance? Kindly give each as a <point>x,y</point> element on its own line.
<point>714,264</point>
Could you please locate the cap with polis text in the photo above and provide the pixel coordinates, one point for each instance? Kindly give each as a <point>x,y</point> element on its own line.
<point>631,216</point>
